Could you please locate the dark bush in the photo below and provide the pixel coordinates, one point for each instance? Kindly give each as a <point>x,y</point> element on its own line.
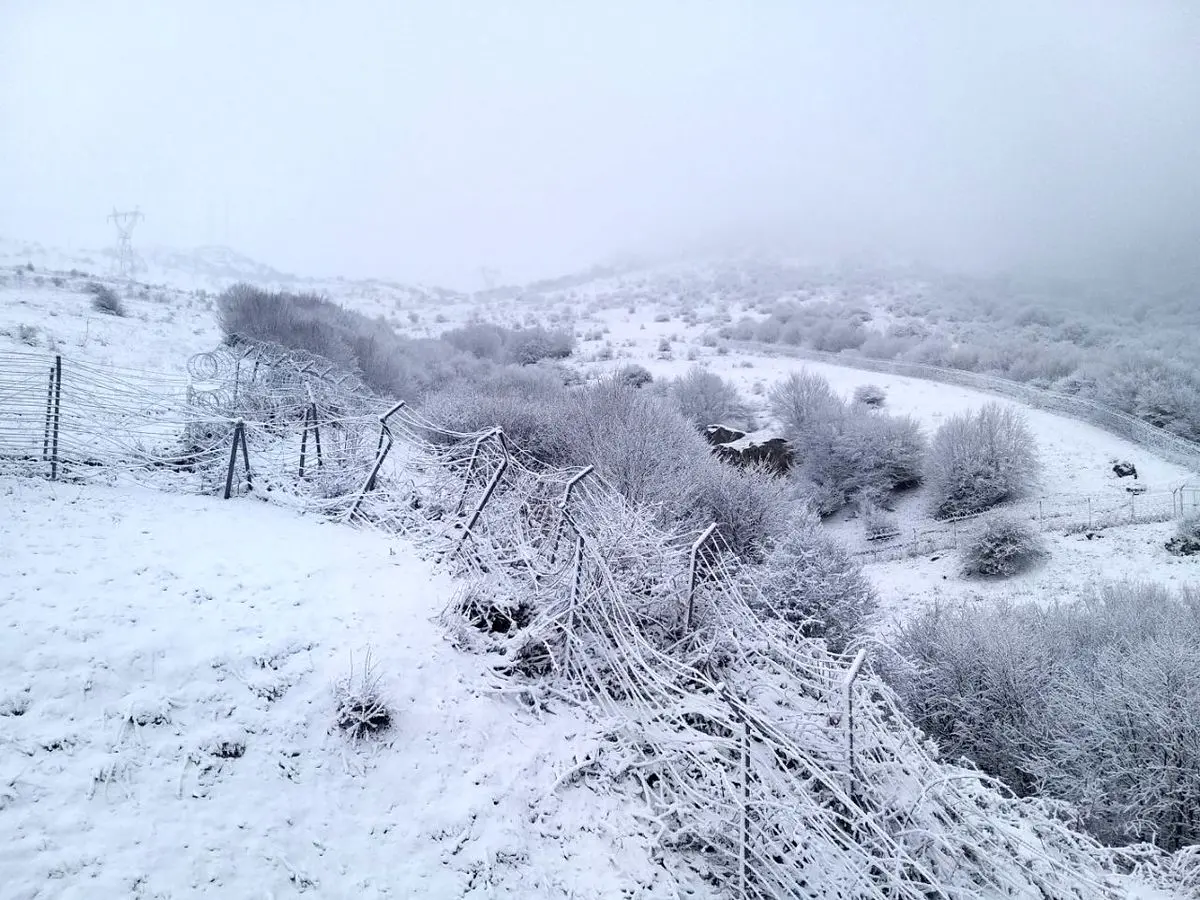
<point>105,300</point>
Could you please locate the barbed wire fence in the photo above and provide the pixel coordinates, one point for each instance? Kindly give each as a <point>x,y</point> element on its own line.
<point>767,765</point>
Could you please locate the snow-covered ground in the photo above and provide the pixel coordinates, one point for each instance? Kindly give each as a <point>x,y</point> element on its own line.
<point>167,719</point>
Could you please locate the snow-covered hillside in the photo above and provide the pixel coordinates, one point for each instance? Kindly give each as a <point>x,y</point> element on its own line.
<point>168,663</point>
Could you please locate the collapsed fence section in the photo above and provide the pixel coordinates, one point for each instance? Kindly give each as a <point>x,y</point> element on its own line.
<point>788,770</point>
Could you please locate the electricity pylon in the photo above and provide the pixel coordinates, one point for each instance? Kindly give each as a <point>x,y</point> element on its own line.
<point>127,260</point>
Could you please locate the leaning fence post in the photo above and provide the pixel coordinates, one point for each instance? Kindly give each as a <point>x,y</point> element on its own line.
<point>487,494</point>
<point>380,456</point>
<point>744,835</point>
<point>239,437</point>
<point>705,535</point>
<point>462,498</point>
<point>848,715</point>
<point>57,417</point>
<point>576,590</point>
<point>562,510</point>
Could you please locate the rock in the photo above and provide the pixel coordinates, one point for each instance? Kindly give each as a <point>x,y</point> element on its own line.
<point>760,448</point>
<point>1124,469</point>
<point>722,434</point>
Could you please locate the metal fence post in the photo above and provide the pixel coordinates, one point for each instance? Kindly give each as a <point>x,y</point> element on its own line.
<point>462,498</point>
<point>239,437</point>
<point>562,510</point>
<point>848,715</point>
<point>49,416</point>
<point>705,535</point>
<point>380,455</point>
<point>487,494</point>
<point>57,417</point>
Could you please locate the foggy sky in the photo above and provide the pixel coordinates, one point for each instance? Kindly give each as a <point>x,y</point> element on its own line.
<point>421,140</point>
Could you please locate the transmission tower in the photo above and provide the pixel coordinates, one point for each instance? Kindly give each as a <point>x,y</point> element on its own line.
<point>489,276</point>
<point>127,260</point>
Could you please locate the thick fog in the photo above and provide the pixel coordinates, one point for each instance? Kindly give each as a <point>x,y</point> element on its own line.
<point>425,140</point>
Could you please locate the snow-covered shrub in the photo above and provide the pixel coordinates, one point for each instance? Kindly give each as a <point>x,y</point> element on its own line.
<point>845,452</point>
<point>386,361</point>
<point>1096,702</point>
<point>1186,541</point>
<point>105,300</point>
<point>810,581</point>
<point>980,459</point>
<point>527,346</point>
<point>878,523</point>
<point>634,375</point>
<point>638,442</point>
<point>527,406</point>
<point>804,404</point>
<point>750,507</point>
<point>1004,546</point>
<point>705,398</point>
<point>870,395</point>
<point>361,710</point>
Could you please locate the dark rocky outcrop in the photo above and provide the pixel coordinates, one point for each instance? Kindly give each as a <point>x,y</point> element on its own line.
<point>758,449</point>
<point>722,434</point>
<point>1124,469</point>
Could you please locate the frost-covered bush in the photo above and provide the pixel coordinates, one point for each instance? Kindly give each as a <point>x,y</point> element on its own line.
<point>638,442</point>
<point>980,459</point>
<point>750,507</point>
<point>634,375</point>
<point>105,300</point>
<point>387,362</point>
<point>1004,546</point>
<point>705,398</point>
<point>361,710</point>
<point>528,405</point>
<point>810,581</point>
<point>1096,702</point>
<point>870,395</point>
<point>804,404</point>
<point>845,452</point>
